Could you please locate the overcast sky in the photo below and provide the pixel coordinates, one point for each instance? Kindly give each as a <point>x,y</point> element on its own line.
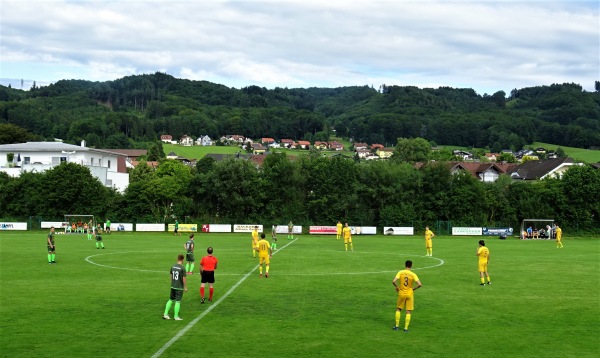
<point>484,45</point>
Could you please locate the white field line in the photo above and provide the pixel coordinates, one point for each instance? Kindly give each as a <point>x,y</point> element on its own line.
<point>210,308</point>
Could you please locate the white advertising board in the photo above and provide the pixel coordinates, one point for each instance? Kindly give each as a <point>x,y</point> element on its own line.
<point>56,224</point>
<point>246,228</point>
<point>398,230</point>
<point>216,227</point>
<point>120,226</point>
<point>149,227</point>
<point>13,226</point>
<point>363,230</point>
<point>467,231</point>
<point>283,229</point>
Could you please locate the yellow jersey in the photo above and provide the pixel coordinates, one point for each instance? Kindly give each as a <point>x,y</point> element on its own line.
<point>483,253</point>
<point>406,279</point>
<point>558,233</point>
<point>254,236</point>
<point>339,228</point>
<point>263,247</point>
<point>347,232</point>
<point>428,234</point>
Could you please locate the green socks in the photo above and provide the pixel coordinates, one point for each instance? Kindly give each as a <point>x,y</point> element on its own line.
<point>177,304</point>
<point>187,267</point>
<point>168,307</point>
<point>191,267</point>
<point>49,257</point>
<point>53,257</point>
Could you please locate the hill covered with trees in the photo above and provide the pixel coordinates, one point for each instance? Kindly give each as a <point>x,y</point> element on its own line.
<point>132,110</point>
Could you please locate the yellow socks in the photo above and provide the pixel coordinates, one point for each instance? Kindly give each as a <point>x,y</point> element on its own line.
<point>397,318</point>
<point>406,321</point>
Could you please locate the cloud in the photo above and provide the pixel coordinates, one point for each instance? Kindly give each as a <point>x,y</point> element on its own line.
<point>485,45</point>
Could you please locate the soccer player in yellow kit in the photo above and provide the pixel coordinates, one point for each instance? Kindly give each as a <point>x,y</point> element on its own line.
<point>347,237</point>
<point>264,253</point>
<point>338,231</point>
<point>428,244</point>
<point>484,258</point>
<point>406,279</point>
<point>558,235</point>
<point>254,241</point>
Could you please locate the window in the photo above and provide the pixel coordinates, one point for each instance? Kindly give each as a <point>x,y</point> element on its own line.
<point>109,164</point>
<point>100,162</point>
<point>92,162</point>
<point>26,160</point>
<point>63,159</point>
<point>55,160</point>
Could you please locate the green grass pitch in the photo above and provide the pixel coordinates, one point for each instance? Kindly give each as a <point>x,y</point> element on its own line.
<point>319,301</point>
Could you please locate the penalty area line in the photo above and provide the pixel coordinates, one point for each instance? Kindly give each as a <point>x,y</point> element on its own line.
<point>210,308</point>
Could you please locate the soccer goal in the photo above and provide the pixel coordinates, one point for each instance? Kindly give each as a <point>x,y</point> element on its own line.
<point>77,223</point>
<point>537,229</point>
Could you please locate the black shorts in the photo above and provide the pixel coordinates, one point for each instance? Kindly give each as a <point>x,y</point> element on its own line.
<point>207,277</point>
<point>176,295</point>
<point>52,249</point>
<point>189,257</point>
<point>176,230</point>
<point>98,238</point>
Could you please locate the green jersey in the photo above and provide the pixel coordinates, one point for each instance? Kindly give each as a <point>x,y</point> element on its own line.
<point>177,275</point>
<point>176,225</point>
<point>51,238</point>
<point>107,224</point>
<point>189,246</point>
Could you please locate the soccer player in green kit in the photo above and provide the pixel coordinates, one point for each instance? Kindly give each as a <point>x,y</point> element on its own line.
<point>189,255</point>
<point>98,235</point>
<point>51,247</point>
<point>178,287</point>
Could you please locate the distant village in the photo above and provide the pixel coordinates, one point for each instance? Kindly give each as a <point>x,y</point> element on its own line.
<point>529,165</point>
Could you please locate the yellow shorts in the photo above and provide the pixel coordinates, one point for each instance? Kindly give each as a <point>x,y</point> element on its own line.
<point>482,267</point>
<point>406,302</point>
<point>347,240</point>
<point>428,244</point>
<point>264,259</point>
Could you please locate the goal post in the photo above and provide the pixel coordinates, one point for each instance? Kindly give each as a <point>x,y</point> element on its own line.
<point>537,229</point>
<point>79,221</point>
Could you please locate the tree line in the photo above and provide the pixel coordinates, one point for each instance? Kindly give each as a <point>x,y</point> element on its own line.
<point>309,190</point>
<point>134,111</point>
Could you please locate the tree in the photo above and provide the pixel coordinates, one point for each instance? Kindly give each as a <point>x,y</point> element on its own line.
<point>10,133</point>
<point>156,152</point>
<point>411,150</point>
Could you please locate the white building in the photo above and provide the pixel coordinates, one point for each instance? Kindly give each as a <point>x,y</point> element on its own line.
<point>108,167</point>
<point>204,140</point>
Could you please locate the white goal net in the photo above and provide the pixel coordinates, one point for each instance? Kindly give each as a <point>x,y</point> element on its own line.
<point>537,229</point>
<point>78,223</point>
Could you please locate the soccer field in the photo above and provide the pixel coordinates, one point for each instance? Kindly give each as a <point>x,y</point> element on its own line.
<point>319,300</point>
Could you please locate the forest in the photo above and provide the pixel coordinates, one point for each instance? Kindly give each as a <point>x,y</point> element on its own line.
<point>134,111</point>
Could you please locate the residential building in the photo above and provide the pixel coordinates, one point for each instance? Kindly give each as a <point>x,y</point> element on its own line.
<point>541,169</point>
<point>321,145</point>
<point>186,141</point>
<point>304,144</point>
<point>204,140</point>
<point>358,146</point>
<point>258,148</point>
<point>109,167</point>
<point>384,153</point>
<point>166,138</point>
